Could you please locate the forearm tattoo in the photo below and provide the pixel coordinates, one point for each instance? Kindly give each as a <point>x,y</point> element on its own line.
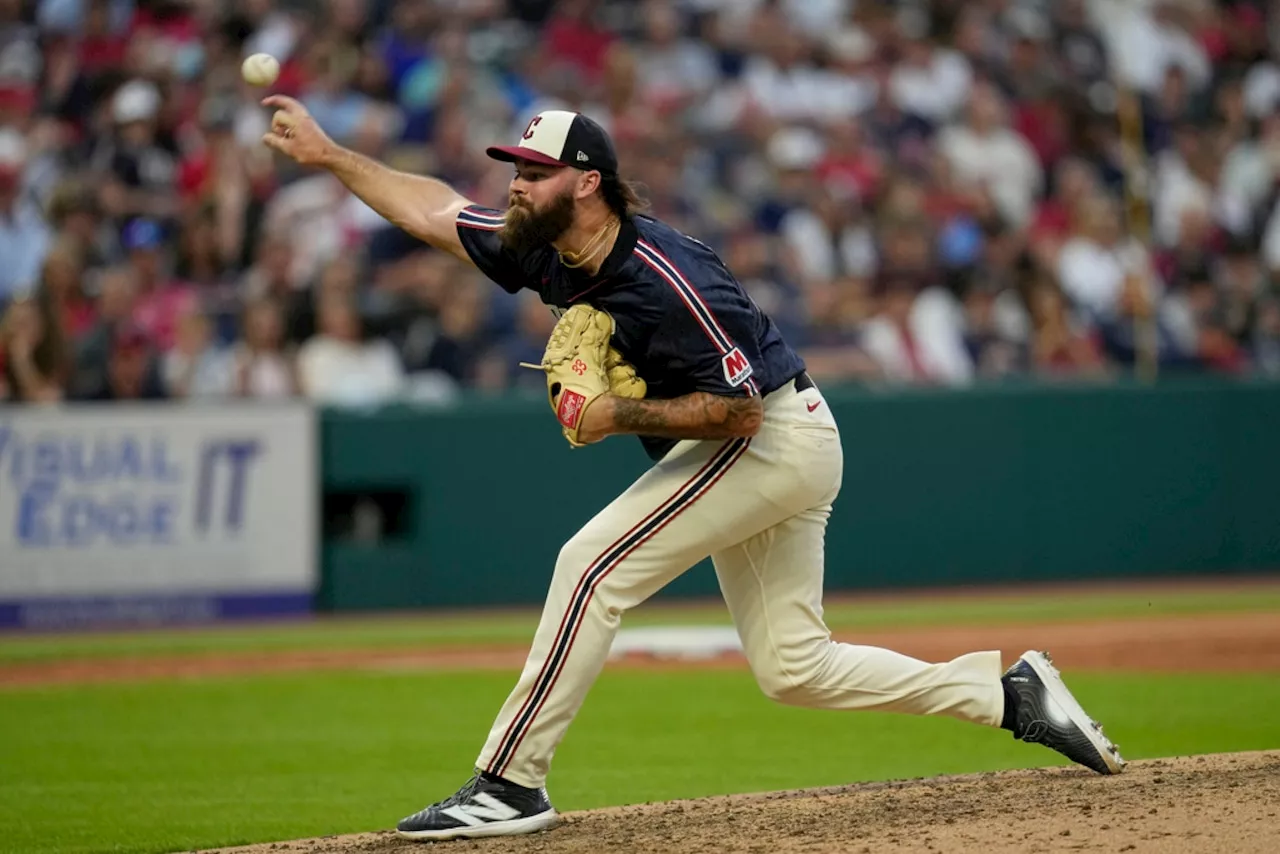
<point>694,416</point>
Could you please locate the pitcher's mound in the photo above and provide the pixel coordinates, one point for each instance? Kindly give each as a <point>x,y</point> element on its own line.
<point>1220,803</point>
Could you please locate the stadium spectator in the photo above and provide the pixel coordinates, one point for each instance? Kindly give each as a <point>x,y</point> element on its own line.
<point>1251,167</point>
<point>497,368</point>
<point>1060,344</point>
<point>62,284</point>
<point>673,70</point>
<point>1078,47</point>
<point>991,349</point>
<point>573,41</point>
<point>830,236</point>
<point>913,340</point>
<point>161,297</point>
<point>984,151</point>
<point>963,162</point>
<point>132,370</point>
<point>1099,266</point>
<point>459,340</point>
<point>261,368</point>
<point>33,349</point>
<point>1205,331</point>
<point>1265,343</point>
<point>74,212</point>
<point>763,271</point>
<point>24,235</point>
<point>837,314</point>
<point>930,82</point>
<point>340,366</point>
<point>117,295</point>
<point>272,270</point>
<point>137,173</point>
<point>196,367</point>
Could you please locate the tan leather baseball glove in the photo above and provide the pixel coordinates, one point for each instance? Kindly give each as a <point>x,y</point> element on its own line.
<point>581,365</point>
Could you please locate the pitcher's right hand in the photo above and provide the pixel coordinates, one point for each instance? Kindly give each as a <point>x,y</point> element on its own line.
<point>295,133</point>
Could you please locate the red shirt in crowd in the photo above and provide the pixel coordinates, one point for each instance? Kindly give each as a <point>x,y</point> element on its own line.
<point>157,312</point>
<point>1045,128</point>
<point>1052,219</point>
<point>102,53</point>
<point>577,43</point>
<point>78,317</point>
<point>861,171</point>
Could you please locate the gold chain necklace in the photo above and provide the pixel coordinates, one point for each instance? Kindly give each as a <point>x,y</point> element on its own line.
<point>593,247</point>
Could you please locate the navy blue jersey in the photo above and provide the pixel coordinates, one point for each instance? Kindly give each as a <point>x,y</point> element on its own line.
<point>681,317</point>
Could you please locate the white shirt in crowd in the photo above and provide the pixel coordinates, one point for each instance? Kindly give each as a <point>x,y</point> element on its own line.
<point>1142,50</point>
<point>1092,275</point>
<point>209,374</point>
<point>684,68</point>
<point>936,326</point>
<point>215,373</point>
<point>1002,161</point>
<point>349,373</point>
<point>1262,89</point>
<point>822,255</point>
<point>812,17</point>
<point>804,93</point>
<point>1179,191</point>
<point>935,92</point>
<point>1248,173</point>
<point>24,241</point>
<point>268,375</point>
<point>1271,241</point>
<point>316,216</point>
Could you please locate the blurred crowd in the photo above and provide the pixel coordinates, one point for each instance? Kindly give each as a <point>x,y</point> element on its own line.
<point>934,192</point>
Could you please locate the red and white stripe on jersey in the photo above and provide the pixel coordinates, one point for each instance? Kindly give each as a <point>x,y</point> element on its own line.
<point>692,300</point>
<point>475,217</point>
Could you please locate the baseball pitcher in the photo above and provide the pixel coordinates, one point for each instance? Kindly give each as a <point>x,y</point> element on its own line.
<point>657,339</point>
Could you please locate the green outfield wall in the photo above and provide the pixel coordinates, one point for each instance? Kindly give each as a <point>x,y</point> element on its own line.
<point>993,484</point>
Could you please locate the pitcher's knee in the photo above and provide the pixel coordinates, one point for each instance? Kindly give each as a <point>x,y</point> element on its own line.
<point>789,677</point>
<point>774,684</point>
<point>579,566</point>
<point>575,557</point>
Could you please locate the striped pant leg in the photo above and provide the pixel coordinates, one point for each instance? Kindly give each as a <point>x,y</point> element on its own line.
<point>667,521</point>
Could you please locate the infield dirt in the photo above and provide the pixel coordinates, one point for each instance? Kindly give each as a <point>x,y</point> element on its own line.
<point>1224,804</point>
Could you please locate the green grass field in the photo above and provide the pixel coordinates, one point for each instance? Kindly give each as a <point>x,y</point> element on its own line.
<point>182,765</point>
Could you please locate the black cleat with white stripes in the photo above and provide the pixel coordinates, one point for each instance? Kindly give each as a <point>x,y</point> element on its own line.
<point>1047,714</point>
<point>483,807</point>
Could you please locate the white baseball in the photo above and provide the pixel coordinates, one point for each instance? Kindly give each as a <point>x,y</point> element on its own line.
<point>260,69</point>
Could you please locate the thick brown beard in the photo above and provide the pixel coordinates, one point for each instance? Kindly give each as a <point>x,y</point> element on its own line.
<point>525,228</point>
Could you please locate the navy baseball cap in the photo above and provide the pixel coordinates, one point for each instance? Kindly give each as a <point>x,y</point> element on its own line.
<point>562,138</point>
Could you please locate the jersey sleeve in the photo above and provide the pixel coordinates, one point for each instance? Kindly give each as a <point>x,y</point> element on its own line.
<point>478,229</point>
<point>713,337</point>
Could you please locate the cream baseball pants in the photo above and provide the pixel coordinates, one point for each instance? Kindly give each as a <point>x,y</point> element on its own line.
<point>759,508</point>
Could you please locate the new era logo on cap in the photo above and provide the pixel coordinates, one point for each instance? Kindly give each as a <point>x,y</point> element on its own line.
<point>562,138</point>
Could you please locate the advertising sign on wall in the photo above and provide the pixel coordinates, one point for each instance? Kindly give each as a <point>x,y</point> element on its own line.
<point>147,514</point>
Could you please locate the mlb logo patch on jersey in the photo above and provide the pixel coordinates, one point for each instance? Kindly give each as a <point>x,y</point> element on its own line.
<point>736,367</point>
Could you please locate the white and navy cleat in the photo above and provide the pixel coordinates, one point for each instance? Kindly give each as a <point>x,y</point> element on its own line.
<point>483,807</point>
<point>1047,714</point>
